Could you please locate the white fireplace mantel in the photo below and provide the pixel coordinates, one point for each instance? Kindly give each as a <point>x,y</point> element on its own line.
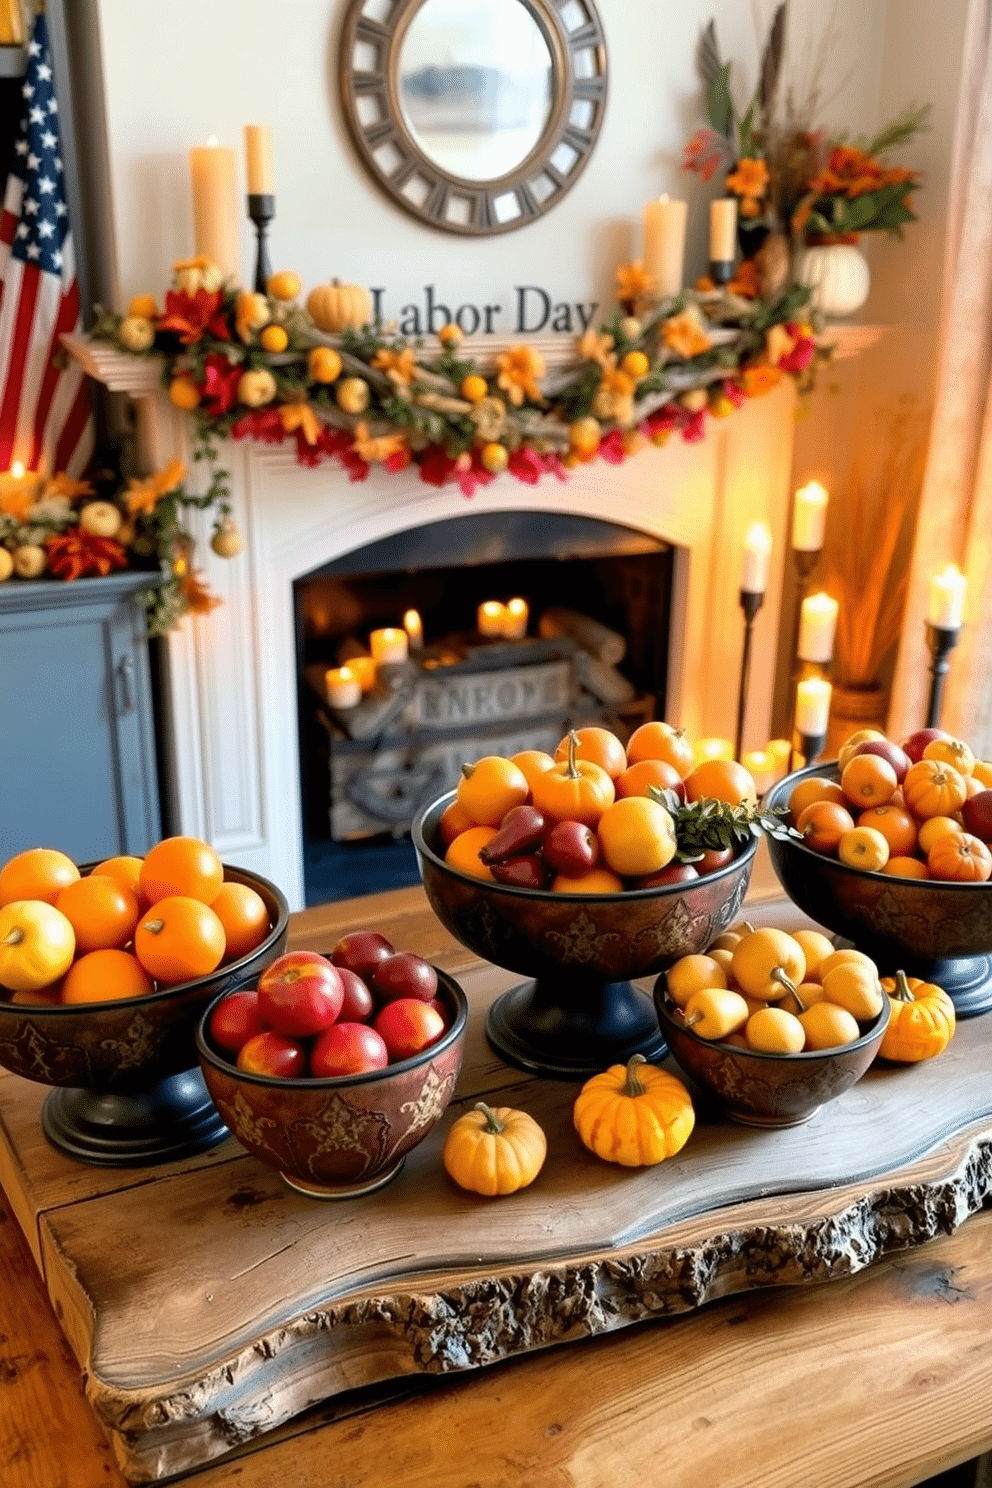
<point>230,704</point>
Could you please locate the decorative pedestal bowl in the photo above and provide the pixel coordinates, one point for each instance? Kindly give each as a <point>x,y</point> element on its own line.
<point>339,1137</point>
<point>578,1013</point>
<point>128,1091</point>
<point>928,928</point>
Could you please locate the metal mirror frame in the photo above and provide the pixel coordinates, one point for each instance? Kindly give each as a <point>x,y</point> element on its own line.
<point>431,194</point>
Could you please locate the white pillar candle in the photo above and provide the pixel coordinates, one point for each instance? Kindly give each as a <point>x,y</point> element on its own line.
<point>215,212</point>
<point>813,707</point>
<point>363,669</point>
<point>490,618</point>
<point>947,590</point>
<point>258,159</point>
<point>723,229</point>
<point>516,614</point>
<point>414,627</point>
<point>762,769</point>
<point>757,547</point>
<point>389,647</point>
<point>343,687</point>
<point>809,516</point>
<point>713,749</point>
<point>817,624</point>
<point>664,244</point>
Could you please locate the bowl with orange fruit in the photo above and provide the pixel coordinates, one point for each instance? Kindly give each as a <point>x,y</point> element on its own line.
<point>773,1024</point>
<point>586,869</point>
<point>894,853</point>
<point>105,969</point>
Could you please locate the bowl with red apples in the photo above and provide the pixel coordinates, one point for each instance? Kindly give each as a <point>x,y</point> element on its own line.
<point>332,1067</point>
<point>894,853</point>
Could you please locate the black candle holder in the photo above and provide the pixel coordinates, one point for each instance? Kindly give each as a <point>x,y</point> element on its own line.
<point>941,641</point>
<point>261,210</point>
<point>807,749</point>
<point>721,270</point>
<point>750,604</point>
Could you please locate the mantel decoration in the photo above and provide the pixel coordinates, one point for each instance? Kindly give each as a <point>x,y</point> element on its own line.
<point>805,195</point>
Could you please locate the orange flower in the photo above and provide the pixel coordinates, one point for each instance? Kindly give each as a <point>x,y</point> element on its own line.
<point>749,179</point>
<point>17,504</point>
<point>64,485</point>
<point>745,281</point>
<point>375,450</point>
<point>300,416</point>
<point>596,348</point>
<point>518,373</point>
<point>751,207</point>
<point>399,366</point>
<point>144,495</point>
<point>201,261</point>
<point>759,380</point>
<point>685,333</point>
<point>199,600</point>
<point>634,282</point>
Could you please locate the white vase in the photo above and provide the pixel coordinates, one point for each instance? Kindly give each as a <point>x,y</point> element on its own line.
<point>838,275</point>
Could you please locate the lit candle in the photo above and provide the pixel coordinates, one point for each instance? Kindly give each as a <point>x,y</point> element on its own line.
<point>723,229</point>
<point>19,489</point>
<point>713,749</point>
<point>817,624</point>
<point>762,769</point>
<point>490,617</point>
<point>389,647</point>
<point>363,668</point>
<point>343,687</point>
<point>414,627</point>
<point>947,588</point>
<point>812,707</point>
<point>215,214</point>
<point>809,516</point>
<point>757,547</point>
<point>664,244</point>
<point>516,614</point>
<point>258,159</point>
<point>780,753</point>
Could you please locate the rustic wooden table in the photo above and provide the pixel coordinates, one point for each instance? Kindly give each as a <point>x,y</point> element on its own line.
<point>880,1377</point>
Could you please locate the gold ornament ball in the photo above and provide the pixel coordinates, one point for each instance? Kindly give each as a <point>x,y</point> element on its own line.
<point>143,306</point>
<point>227,541</point>
<point>635,364</point>
<point>494,457</point>
<point>473,388</point>
<point>256,388</point>
<point>6,564</point>
<point>353,395</point>
<point>274,338</point>
<point>324,364</point>
<point>285,285</point>
<point>101,519</point>
<point>29,561</point>
<point>137,333</point>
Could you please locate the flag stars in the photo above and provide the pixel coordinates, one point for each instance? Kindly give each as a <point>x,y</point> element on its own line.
<point>30,206</point>
<point>33,161</point>
<point>49,140</point>
<point>45,185</point>
<point>33,251</point>
<point>44,71</point>
<point>45,229</point>
<point>37,116</point>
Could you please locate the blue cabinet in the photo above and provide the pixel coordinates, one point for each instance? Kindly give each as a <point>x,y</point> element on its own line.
<point>77,735</point>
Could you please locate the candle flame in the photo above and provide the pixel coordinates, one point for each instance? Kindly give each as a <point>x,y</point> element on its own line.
<point>17,470</point>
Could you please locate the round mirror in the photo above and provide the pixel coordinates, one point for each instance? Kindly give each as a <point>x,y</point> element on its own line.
<point>475,85</point>
<point>475,115</point>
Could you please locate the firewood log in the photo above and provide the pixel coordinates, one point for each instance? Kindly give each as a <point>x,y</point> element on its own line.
<point>599,640</point>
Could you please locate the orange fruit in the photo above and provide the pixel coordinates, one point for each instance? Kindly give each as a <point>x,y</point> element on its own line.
<point>179,939</point>
<point>463,852</point>
<point>101,910</point>
<point>864,847</point>
<point>905,867</point>
<point>184,393</point>
<point>982,771</point>
<point>896,825</point>
<point>274,338</point>
<point>183,866</point>
<point>599,745</point>
<point>659,740</point>
<point>126,869</point>
<point>324,364</point>
<point>823,824</point>
<point>720,780</point>
<point>489,788</point>
<point>285,285</point>
<point>934,827</point>
<point>596,881</point>
<point>245,917</point>
<point>36,873</point>
<point>637,779</point>
<point>453,821</point>
<point>533,762</point>
<point>868,780</point>
<point>143,305</point>
<point>636,837</point>
<point>817,788</point>
<point>105,975</point>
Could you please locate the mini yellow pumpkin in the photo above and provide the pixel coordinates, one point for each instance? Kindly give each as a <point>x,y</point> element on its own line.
<point>6,564</point>
<point>921,1022</point>
<point>101,519</point>
<point>137,332</point>
<point>274,338</point>
<point>336,306</point>
<point>256,388</point>
<point>634,1114</point>
<point>494,1150</point>
<point>285,285</point>
<point>352,394</point>
<point>324,364</point>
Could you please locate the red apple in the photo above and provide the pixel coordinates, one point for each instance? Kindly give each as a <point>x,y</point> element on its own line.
<point>348,1049</point>
<point>571,848</point>
<point>976,814</point>
<point>672,873</point>
<point>235,1020</point>
<point>359,950</point>
<point>358,1003</point>
<point>915,744</point>
<point>404,975</point>
<point>712,858</point>
<point>887,750</point>
<point>407,1026</point>
<point>271,1053</point>
<point>300,994</point>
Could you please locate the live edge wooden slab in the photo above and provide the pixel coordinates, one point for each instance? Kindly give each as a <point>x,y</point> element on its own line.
<point>208,1305</point>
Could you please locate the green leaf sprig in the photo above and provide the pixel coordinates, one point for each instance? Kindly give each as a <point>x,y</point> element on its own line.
<point>708,825</point>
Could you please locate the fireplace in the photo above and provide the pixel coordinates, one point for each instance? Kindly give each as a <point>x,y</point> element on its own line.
<point>230,698</point>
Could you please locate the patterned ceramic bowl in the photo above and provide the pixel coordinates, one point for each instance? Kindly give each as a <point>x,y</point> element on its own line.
<point>342,1136</point>
<point>767,1089</point>
<point>580,1013</point>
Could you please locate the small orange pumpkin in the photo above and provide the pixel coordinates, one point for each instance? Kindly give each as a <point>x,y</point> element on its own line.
<point>933,788</point>
<point>961,858</point>
<point>922,1020</point>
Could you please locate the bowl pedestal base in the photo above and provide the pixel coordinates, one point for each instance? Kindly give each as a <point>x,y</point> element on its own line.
<point>345,1190</point>
<point>172,1119</point>
<point>569,1029</point>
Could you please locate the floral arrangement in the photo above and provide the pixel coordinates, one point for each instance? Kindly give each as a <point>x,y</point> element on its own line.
<point>789,177</point>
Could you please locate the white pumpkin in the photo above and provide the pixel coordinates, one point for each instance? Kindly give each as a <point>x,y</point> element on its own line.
<point>101,519</point>
<point>30,561</point>
<point>137,332</point>
<point>6,564</point>
<point>838,275</point>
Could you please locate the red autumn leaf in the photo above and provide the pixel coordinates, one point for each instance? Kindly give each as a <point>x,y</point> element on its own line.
<point>220,384</point>
<point>192,316</point>
<point>76,553</point>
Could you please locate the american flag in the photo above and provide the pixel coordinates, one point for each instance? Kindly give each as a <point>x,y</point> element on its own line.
<point>46,414</point>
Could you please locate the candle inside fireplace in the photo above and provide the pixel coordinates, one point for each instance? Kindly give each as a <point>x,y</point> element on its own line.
<point>389,646</point>
<point>757,547</point>
<point>215,214</point>
<point>343,687</point>
<point>516,615</point>
<point>809,518</point>
<point>414,627</point>
<point>490,618</point>
<point>363,669</point>
<point>946,602</point>
<point>817,625</point>
<point>258,159</point>
<point>813,707</point>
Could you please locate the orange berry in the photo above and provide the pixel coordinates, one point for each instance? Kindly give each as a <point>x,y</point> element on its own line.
<point>185,866</point>
<point>179,939</point>
<point>245,917</point>
<point>36,873</point>
<point>104,976</point>
<point>463,852</point>
<point>101,910</point>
